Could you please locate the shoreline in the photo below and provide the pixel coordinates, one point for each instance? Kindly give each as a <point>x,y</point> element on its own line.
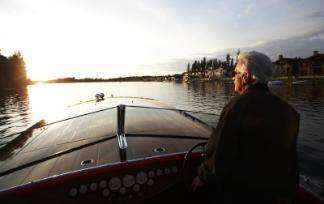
<point>284,79</point>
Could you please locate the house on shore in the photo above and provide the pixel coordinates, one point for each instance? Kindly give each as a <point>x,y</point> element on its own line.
<point>313,65</point>
<point>283,66</point>
<point>215,74</point>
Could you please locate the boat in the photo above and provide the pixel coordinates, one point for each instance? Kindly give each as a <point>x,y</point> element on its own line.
<point>300,82</point>
<point>275,82</point>
<point>135,150</point>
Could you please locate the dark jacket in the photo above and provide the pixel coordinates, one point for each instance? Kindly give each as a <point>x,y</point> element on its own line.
<point>253,148</point>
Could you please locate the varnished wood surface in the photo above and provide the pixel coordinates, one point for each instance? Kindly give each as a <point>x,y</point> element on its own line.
<point>79,131</point>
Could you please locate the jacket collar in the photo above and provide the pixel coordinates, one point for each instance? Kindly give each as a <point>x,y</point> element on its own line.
<point>258,87</point>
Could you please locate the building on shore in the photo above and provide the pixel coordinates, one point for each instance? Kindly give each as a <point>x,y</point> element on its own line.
<point>215,74</point>
<point>313,65</point>
<point>209,75</point>
<point>283,66</point>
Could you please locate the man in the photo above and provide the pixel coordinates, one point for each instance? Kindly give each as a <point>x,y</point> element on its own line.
<point>252,153</point>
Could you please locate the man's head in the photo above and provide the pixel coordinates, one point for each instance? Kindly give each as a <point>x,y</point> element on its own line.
<point>252,67</point>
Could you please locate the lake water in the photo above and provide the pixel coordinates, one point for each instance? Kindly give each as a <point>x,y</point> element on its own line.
<point>21,108</point>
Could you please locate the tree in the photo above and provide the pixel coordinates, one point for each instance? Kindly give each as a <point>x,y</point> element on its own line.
<point>12,70</point>
<point>3,69</point>
<point>194,67</point>
<point>209,64</point>
<point>203,64</point>
<point>17,68</point>
<point>228,58</point>
<point>215,63</point>
<point>198,66</point>
<point>188,68</point>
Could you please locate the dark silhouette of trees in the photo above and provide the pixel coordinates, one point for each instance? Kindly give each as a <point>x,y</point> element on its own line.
<point>188,67</point>
<point>194,67</point>
<point>215,64</point>
<point>203,64</point>
<point>201,67</point>
<point>198,67</point>
<point>175,77</point>
<point>12,70</point>
<point>209,64</point>
<point>3,66</point>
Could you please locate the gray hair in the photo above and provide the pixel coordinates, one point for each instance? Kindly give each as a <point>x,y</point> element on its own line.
<point>258,64</point>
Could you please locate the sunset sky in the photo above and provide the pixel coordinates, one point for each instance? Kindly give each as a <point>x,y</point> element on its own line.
<point>105,38</point>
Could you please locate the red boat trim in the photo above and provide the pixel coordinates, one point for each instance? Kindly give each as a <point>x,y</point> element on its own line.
<point>308,196</point>
<point>92,173</point>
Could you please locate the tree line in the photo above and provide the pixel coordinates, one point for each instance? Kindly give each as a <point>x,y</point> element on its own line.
<point>203,65</point>
<point>12,70</point>
<point>118,79</point>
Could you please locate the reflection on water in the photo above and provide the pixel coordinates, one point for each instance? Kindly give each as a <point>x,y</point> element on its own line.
<point>21,108</point>
<point>308,100</point>
<point>14,111</point>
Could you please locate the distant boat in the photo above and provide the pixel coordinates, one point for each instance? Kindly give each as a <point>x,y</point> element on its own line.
<point>275,82</point>
<point>300,82</point>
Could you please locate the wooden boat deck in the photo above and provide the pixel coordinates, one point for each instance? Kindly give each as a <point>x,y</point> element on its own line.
<point>140,125</point>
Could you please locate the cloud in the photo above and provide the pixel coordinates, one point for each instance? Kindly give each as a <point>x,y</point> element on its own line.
<point>172,66</point>
<point>317,37</point>
<point>299,46</point>
<point>258,43</point>
<point>248,10</point>
<point>156,11</point>
<point>316,14</point>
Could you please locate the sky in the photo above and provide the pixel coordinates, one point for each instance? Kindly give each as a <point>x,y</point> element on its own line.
<point>107,39</point>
